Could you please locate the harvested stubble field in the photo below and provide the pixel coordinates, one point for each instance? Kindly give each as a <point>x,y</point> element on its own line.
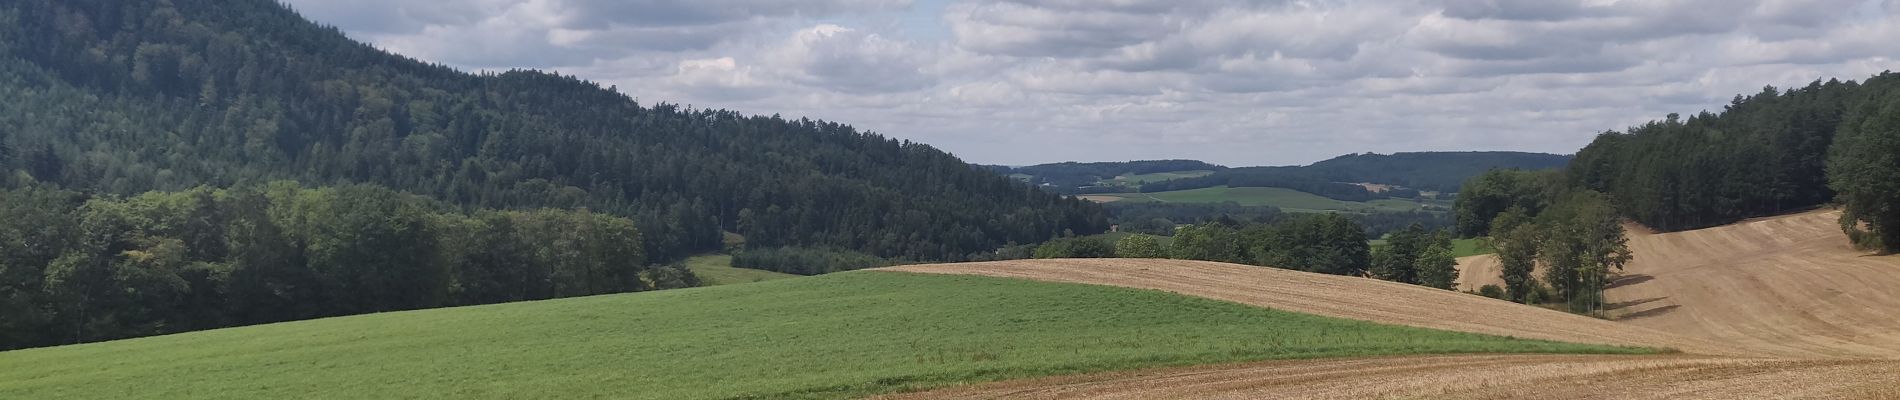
<point>1777,307</point>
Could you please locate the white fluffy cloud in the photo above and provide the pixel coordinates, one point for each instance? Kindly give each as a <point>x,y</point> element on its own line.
<point>1235,82</point>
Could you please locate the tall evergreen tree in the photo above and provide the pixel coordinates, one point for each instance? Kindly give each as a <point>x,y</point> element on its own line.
<point>1864,166</point>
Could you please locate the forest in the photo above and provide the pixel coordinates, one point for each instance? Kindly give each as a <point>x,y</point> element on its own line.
<point>167,262</point>
<point>1321,243</point>
<point>120,98</point>
<point>1413,172</point>
<point>1827,144</point>
<point>1830,142</point>
<point>1161,218</point>
<point>189,164</point>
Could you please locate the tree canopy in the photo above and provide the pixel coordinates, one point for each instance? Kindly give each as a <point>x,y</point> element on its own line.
<point>118,97</point>
<point>76,268</point>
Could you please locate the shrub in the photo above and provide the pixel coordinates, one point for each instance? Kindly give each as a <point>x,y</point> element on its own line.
<point>1140,246</point>
<point>1086,247</point>
<point>1492,291</point>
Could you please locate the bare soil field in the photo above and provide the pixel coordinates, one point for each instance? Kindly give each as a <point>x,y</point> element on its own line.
<point>1334,296</point>
<point>1786,286</point>
<point>1776,307</point>
<point>1469,377</point>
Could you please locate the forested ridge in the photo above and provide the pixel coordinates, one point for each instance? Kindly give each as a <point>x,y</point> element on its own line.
<point>1827,143</point>
<point>76,268</point>
<point>1762,154</point>
<point>1426,171</point>
<point>118,97</point>
<point>1332,178</point>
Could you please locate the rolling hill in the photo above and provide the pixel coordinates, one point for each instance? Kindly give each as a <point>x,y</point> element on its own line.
<point>832,336</point>
<point>1286,199</point>
<point>125,97</point>
<point>1772,307</point>
<point>1788,286</point>
<point>1429,171</point>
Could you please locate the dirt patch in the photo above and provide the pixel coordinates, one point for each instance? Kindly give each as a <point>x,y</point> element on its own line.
<point>1372,187</point>
<point>1787,286</point>
<point>1100,198</point>
<point>1775,307</point>
<point>1335,296</point>
<point>1470,377</point>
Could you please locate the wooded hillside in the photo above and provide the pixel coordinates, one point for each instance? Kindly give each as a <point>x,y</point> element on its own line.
<point>118,97</point>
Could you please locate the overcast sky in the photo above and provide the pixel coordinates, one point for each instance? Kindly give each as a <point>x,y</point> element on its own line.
<point>1231,82</point>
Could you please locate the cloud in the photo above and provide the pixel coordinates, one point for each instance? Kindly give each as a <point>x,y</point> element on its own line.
<point>1242,82</point>
<point>852,61</point>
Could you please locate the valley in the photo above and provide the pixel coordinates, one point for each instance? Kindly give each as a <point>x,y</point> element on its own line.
<point>806,199</point>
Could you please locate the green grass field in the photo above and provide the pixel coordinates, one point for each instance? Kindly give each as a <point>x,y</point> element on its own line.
<point>1459,247</point>
<point>717,269</point>
<point>1286,199</point>
<point>1470,247</point>
<point>833,336</point>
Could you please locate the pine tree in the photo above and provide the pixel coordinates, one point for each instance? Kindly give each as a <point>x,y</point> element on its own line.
<point>1863,170</point>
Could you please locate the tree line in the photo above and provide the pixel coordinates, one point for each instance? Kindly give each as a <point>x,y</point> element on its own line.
<point>121,98</point>
<point>806,261</point>
<point>1321,243</point>
<point>1157,218</point>
<point>1830,142</point>
<point>80,268</point>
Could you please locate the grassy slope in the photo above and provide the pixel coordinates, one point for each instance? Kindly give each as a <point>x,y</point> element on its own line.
<point>1470,247</point>
<point>831,336</point>
<point>1286,199</point>
<point>717,269</point>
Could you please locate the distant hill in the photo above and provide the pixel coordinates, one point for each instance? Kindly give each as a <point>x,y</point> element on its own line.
<point>1432,171</point>
<point>1426,171</point>
<point>1069,175</point>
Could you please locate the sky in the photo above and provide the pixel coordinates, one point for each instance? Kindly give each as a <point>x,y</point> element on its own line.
<point>1238,83</point>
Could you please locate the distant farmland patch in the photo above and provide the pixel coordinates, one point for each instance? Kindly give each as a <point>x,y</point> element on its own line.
<point>1159,176</point>
<point>1285,199</point>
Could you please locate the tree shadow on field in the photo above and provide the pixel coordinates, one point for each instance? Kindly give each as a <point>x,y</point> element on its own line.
<point>1625,304</point>
<point>1626,280</point>
<point>1647,313</point>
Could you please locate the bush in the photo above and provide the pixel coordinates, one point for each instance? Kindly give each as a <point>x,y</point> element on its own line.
<point>1140,246</point>
<point>1492,291</point>
<point>1084,247</point>
<point>1539,294</point>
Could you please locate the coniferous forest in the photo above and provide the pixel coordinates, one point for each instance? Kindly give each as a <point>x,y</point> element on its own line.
<point>126,97</point>
<point>1827,144</point>
<point>108,100</point>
